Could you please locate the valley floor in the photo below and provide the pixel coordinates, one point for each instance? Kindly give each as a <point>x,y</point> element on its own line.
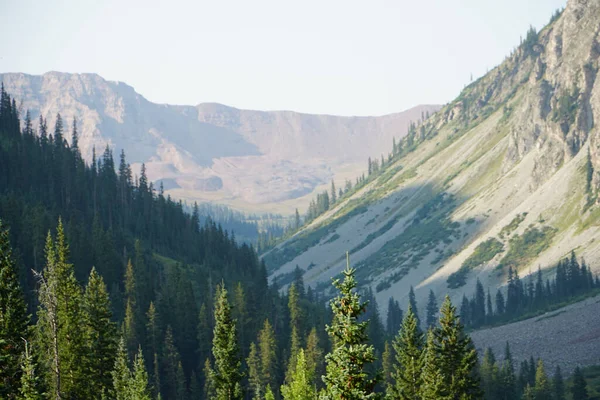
<point>567,337</point>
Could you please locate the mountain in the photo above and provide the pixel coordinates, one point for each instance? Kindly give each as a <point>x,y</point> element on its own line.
<point>211,152</point>
<point>505,176</point>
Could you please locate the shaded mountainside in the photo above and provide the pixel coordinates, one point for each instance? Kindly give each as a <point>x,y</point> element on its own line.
<point>211,152</point>
<point>506,175</point>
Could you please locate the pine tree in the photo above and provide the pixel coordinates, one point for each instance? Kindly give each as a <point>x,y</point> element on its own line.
<point>300,386</point>
<point>457,355</point>
<point>13,320</point>
<point>507,376</point>
<point>170,363</point>
<point>209,384</point>
<point>314,356</point>
<point>254,373</point>
<point>333,192</point>
<point>579,387</point>
<point>130,323</point>
<point>269,394</point>
<point>543,389</point>
<point>100,336</point>
<point>387,365</point>
<point>558,385</point>
<point>60,317</point>
<point>346,377</point>
<point>432,309</point>
<point>432,381</point>
<point>295,319</point>
<point>226,375</point>
<point>412,302</point>
<point>138,384</point>
<point>31,385</point>
<point>408,346</point>
<point>394,317</point>
<point>267,345</point>
<point>121,374</point>
<point>490,379</point>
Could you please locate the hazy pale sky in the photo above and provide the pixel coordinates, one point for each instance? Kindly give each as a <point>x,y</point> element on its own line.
<point>336,57</point>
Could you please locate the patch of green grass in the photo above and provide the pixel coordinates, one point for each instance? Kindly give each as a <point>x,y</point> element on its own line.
<point>526,247</point>
<point>165,261</point>
<point>483,253</point>
<point>430,227</point>
<point>514,224</point>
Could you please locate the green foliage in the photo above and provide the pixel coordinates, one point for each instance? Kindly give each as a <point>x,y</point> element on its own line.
<point>100,336</point>
<point>566,109</point>
<point>13,320</point>
<point>531,40</point>
<point>483,253</point>
<point>408,347</point>
<point>430,227</point>
<point>59,320</point>
<point>227,375</point>
<point>514,224</point>
<point>579,386</point>
<point>267,345</point>
<point>300,386</point>
<point>31,383</point>
<point>456,355</point>
<point>138,384</point>
<point>254,373</point>
<point>524,248</point>
<point>346,377</point>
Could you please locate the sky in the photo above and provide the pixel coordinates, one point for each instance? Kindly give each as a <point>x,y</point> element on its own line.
<point>342,57</point>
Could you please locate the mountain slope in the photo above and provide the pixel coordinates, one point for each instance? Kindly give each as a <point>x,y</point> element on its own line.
<point>249,159</point>
<point>505,162</point>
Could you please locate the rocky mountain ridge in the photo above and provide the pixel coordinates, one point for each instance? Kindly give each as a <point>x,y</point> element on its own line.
<point>507,161</point>
<point>211,152</point>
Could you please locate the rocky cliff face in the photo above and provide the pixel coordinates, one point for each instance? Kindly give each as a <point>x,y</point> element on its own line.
<point>509,156</point>
<point>211,151</point>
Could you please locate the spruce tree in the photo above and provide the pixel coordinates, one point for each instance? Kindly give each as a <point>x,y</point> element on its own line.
<point>254,373</point>
<point>267,345</point>
<point>490,376</point>
<point>13,320</point>
<point>314,356</point>
<point>432,381</point>
<point>121,374</point>
<point>408,346</point>
<point>558,385</point>
<point>579,387</point>
<point>138,384</point>
<point>31,384</point>
<point>507,376</point>
<point>60,316</point>
<point>412,302</point>
<point>300,385</point>
<point>543,389</point>
<point>226,374</point>
<point>432,310</point>
<point>295,318</point>
<point>387,364</point>
<point>456,355</point>
<point>100,336</point>
<point>209,384</point>
<point>346,377</point>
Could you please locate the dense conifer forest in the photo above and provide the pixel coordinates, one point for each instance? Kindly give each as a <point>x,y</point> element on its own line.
<point>110,290</point>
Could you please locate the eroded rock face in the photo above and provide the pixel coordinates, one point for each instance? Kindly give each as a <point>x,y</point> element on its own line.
<point>280,155</point>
